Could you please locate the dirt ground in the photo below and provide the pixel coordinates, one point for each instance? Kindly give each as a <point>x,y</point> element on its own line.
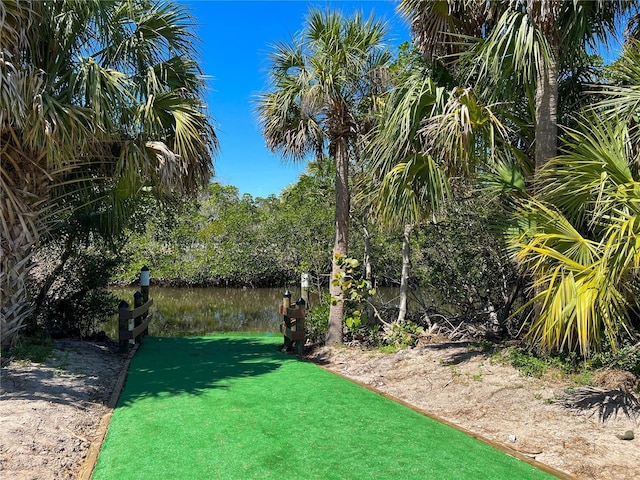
<point>51,414</point>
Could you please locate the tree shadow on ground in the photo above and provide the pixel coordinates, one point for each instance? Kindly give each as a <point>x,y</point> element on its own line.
<point>194,365</point>
<point>454,353</point>
<point>75,373</point>
<point>458,352</point>
<point>606,403</point>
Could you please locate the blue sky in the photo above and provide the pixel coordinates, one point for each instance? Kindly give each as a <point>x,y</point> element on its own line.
<point>235,42</point>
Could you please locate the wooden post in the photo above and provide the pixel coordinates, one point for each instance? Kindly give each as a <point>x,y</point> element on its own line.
<point>292,326</point>
<point>123,324</point>
<point>138,301</point>
<point>131,325</point>
<point>286,303</point>
<point>286,299</point>
<point>305,283</point>
<point>145,275</point>
<point>300,327</point>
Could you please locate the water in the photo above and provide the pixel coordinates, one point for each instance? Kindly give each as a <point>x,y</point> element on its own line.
<point>199,311</point>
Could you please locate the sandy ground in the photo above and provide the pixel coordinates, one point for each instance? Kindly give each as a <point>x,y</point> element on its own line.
<point>51,414</point>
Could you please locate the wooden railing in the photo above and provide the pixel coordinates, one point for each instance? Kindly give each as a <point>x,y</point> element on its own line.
<point>292,326</point>
<point>133,325</point>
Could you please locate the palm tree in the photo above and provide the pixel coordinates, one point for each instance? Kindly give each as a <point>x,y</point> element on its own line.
<point>583,227</point>
<point>403,183</point>
<point>425,134</point>
<point>322,86</point>
<point>96,97</point>
<point>529,43</point>
<point>581,246</point>
<point>536,45</point>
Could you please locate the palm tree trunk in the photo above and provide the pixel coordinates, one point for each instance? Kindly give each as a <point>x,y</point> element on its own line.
<point>340,246</point>
<point>15,263</point>
<point>547,92</point>
<point>546,115</point>
<point>406,270</point>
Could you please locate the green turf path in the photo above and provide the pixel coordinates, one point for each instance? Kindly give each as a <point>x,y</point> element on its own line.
<point>236,408</point>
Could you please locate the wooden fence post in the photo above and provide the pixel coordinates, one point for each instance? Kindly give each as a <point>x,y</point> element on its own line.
<point>123,324</point>
<point>133,325</point>
<point>145,275</point>
<point>138,301</point>
<point>305,283</point>
<point>292,326</point>
<point>300,326</point>
<point>286,303</point>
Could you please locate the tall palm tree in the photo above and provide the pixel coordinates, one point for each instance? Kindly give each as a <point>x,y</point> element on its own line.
<point>526,42</point>
<point>533,45</point>
<point>322,84</point>
<point>96,97</point>
<point>403,183</point>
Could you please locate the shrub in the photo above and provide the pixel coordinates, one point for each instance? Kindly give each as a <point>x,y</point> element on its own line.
<point>317,321</point>
<point>626,358</point>
<point>77,302</point>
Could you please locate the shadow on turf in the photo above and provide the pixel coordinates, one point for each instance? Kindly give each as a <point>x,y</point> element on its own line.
<point>175,366</point>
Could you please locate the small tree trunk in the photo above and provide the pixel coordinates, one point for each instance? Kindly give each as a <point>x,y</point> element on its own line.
<point>340,246</point>
<point>51,278</point>
<point>368,268</point>
<point>406,270</point>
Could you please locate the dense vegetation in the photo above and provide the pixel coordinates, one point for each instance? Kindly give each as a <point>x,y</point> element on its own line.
<point>101,102</point>
<point>489,169</point>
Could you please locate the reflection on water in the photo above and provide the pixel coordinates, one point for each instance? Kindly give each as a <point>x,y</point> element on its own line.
<point>182,312</point>
<point>197,311</point>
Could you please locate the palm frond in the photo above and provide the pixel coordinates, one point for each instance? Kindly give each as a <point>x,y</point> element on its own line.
<point>584,287</point>
<point>413,188</point>
<point>466,133</point>
<point>592,167</point>
<point>88,92</point>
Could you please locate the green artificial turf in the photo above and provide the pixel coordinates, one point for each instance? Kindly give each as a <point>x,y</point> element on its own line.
<point>236,408</point>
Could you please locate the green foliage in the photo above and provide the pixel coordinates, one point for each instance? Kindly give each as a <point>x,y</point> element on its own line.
<point>626,358</point>
<point>526,363</point>
<point>77,302</point>
<point>35,349</point>
<point>580,242</point>
<point>461,262</point>
<point>224,240</point>
<point>317,321</point>
<point>404,335</point>
<point>535,365</point>
<point>355,290</point>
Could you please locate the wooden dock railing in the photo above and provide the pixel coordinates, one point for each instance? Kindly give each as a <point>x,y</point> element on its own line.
<point>292,326</point>
<point>134,324</point>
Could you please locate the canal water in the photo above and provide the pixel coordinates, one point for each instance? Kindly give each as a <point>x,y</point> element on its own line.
<point>198,311</point>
